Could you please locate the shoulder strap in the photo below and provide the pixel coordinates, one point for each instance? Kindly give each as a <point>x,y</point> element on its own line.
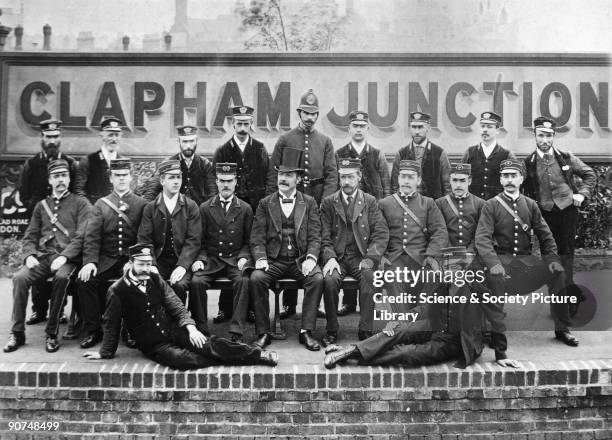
<point>452,205</point>
<point>411,214</point>
<point>121,214</point>
<point>54,220</point>
<point>512,213</point>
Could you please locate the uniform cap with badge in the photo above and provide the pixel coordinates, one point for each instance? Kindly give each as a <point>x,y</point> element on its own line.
<point>291,159</point>
<point>348,165</point>
<point>461,168</point>
<point>169,166</point>
<point>242,113</point>
<point>544,124</point>
<point>187,132</point>
<point>226,169</point>
<point>410,165</point>
<point>110,123</point>
<point>510,165</point>
<point>309,102</point>
<point>120,164</point>
<point>359,117</point>
<point>420,117</point>
<point>490,118</point>
<point>51,127</point>
<point>141,251</point>
<point>58,166</point>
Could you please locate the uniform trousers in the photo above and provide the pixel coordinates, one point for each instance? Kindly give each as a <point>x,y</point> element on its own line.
<point>562,224</point>
<point>165,266</point>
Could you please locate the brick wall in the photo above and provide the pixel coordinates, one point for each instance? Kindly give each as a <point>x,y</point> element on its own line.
<point>557,400</point>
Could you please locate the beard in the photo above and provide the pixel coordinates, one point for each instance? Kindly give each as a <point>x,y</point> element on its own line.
<point>51,150</point>
<point>188,152</point>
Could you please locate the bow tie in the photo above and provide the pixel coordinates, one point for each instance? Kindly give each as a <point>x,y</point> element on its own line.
<point>288,200</point>
<point>139,283</point>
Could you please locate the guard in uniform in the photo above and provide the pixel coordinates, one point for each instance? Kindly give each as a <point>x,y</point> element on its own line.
<point>52,246</point>
<point>253,162</point>
<point>111,230</point>
<point>434,163</point>
<point>486,157</point>
<point>172,224</point>
<point>286,241</point>
<point>549,180</point>
<point>93,174</point>
<point>320,177</point>
<point>354,238</point>
<point>161,326</point>
<point>504,242</point>
<point>374,179</point>
<point>33,187</point>
<point>198,173</point>
<point>224,252</point>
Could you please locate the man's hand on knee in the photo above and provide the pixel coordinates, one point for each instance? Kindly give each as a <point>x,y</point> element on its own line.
<point>58,262</point>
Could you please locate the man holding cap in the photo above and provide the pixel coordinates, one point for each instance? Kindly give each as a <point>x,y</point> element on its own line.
<point>550,181</point>
<point>198,181</point>
<point>93,175</point>
<point>354,238</point>
<point>52,246</point>
<point>486,157</point>
<point>161,326</point>
<point>111,230</point>
<point>172,224</point>
<point>432,159</point>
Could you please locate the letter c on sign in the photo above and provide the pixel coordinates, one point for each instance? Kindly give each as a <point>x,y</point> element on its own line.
<point>40,88</point>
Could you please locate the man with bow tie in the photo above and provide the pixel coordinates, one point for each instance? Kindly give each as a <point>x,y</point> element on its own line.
<point>110,232</point>
<point>172,224</point>
<point>224,252</point>
<point>162,328</point>
<point>354,238</point>
<point>286,241</point>
<point>52,247</point>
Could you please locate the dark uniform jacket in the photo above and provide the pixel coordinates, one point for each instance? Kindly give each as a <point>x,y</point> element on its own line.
<point>252,169</point>
<point>375,173</point>
<point>43,237</point>
<point>368,225</point>
<point>225,236</point>
<point>499,234</point>
<point>34,179</point>
<point>198,180</point>
<point>152,318</point>
<point>108,237</point>
<point>318,162</point>
<point>186,228</point>
<point>266,234</point>
<point>461,226</point>
<point>435,169</point>
<point>405,236</point>
<point>93,177</point>
<point>485,170</point>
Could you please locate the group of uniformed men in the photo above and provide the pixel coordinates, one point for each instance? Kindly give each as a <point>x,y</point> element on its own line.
<point>255,219</point>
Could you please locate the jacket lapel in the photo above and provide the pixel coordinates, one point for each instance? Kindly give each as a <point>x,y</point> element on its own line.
<point>275,212</point>
<point>234,209</point>
<point>359,205</point>
<point>299,211</point>
<point>179,204</point>
<point>338,201</point>
<point>216,210</point>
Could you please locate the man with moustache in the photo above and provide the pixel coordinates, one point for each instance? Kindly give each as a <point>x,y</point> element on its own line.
<point>434,163</point>
<point>33,187</point>
<point>286,241</point>
<point>224,252</point>
<point>374,178</point>
<point>354,238</point>
<point>252,161</point>
<point>320,176</point>
<point>198,174</point>
<point>110,232</point>
<point>485,158</point>
<point>172,224</point>
<point>161,326</point>
<point>93,175</point>
<point>504,237</point>
<point>52,246</point>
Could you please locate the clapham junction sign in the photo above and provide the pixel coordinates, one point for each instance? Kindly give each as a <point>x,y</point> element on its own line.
<point>153,93</point>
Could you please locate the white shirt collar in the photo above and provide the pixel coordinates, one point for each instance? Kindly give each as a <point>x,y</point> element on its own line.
<point>345,196</point>
<point>221,199</point>
<point>291,196</point>
<point>170,202</point>
<point>108,156</point>
<point>121,194</point>
<point>241,145</point>
<point>359,148</point>
<point>422,144</point>
<point>61,196</point>
<point>541,153</point>
<point>488,150</point>
<point>513,197</point>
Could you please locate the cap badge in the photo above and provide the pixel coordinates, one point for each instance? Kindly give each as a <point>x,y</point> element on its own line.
<point>310,99</point>
<point>486,115</point>
<point>146,251</point>
<point>360,116</point>
<point>52,126</point>
<point>547,124</point>
<point>345,163</point>
<point>114,124</point>
<point>226,168</point>
<point>417,116</point>
<point>459,166</point>
<point>243,110</point>
<point>187,130</point>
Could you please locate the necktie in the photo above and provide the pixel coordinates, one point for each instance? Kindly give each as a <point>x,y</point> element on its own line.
<point>548,157</point>
<point>287,200</point>
<point>224,203</point>
<point>349,200</point>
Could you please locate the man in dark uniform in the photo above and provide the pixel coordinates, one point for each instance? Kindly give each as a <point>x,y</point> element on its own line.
<point>161,326</point>
<point>504,242</point>
<point>34,187</point>
<point>111,230</point>
<point>252,159</point>
<point>374,181</point>
<point>52,246</point>
<point>93,174</point>
<point>549,180</point>
<point>224,252</point>
<point>286,241</point>
<point>354,238</point>
<point>435,167</point>
<point>486,157</point>
<point>198,174</point>
<point>172,224</point>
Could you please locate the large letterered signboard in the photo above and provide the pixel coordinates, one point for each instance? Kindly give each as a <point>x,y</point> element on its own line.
<point>155,93</point>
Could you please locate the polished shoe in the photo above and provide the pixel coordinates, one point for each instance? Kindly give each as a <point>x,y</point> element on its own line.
<point>35,318</point>
<point>333,347</point>
<point>329,339</point>
<point>346,310</point>
<point>567,338</point>
<point>263,341</point>
<point>310,342</point>
<point>251,316</point>
<point>268,358</point>
<point>363,335</point>
<point>15,341</point>
<point>321,314</point>
<point>51,344</point>
<point>235,337</point>
<point>287,312</point>
<point>344,353</point>
<point>63,319</point>
<point>90,340</point>
<point>221,317</point>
